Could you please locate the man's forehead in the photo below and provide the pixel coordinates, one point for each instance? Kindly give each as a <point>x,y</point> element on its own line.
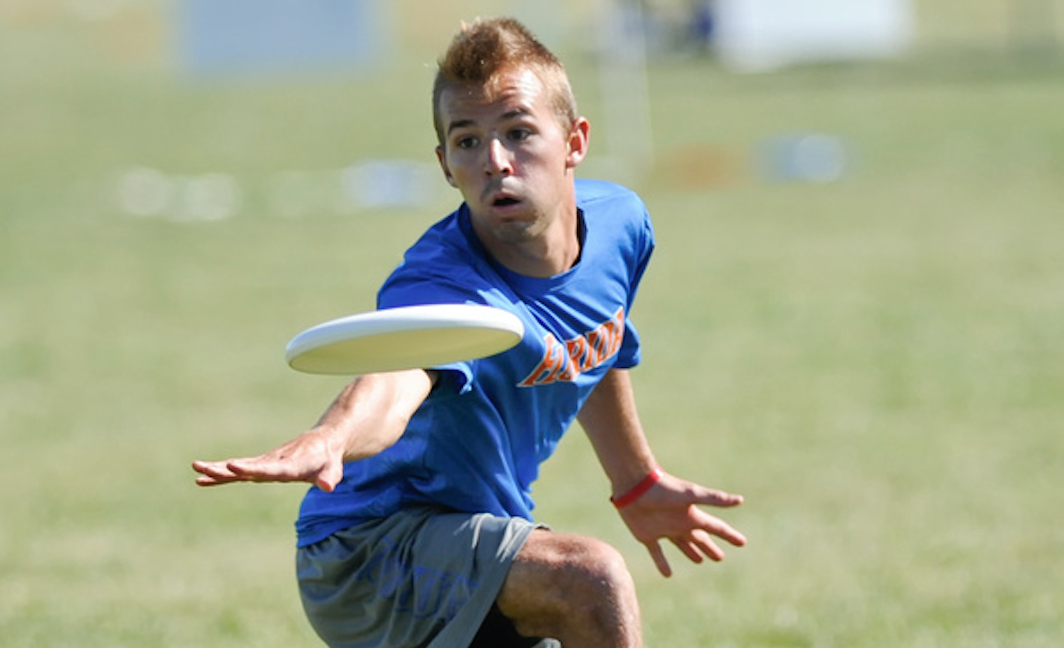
<point>505,95</point>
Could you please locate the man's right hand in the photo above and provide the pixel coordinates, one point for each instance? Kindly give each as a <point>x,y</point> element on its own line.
<point>307,458</point>
<point>368,416</point>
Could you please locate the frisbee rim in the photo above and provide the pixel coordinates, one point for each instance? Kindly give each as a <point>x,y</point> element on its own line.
<point>502,330</point>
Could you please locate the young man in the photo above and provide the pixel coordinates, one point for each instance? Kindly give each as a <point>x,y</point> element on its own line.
<point>418,530</point>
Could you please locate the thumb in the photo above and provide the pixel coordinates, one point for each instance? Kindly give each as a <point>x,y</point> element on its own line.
<point>329,476</point>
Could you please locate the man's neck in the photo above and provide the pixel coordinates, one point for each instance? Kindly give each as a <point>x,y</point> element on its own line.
<point>546,256</point>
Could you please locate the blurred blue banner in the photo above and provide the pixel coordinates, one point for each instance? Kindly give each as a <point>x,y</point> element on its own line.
<point>259,37</point>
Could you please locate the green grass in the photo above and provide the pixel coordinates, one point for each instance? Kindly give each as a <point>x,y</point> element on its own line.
<point>877,363</point>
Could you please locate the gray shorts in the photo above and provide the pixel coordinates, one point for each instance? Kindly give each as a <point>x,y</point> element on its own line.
<point>418,579</point>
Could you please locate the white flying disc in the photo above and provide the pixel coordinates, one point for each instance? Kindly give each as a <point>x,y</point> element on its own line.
<point>409,337</point>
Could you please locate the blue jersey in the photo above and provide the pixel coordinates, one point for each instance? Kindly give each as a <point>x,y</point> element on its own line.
<point>476,443</point>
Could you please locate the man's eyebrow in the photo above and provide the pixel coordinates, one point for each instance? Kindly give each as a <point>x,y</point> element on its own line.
<point>463,123</point>
<point>515,113</point>
<point>459,123</point>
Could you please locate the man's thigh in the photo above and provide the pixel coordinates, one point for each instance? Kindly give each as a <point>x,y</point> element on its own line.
<point>537,575</point>
<point>420,578</point>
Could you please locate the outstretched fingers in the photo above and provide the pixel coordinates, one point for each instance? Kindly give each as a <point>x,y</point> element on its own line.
<point>304,459</point>
<point>212,473</point>
<point>701,545</point>
<point>712,497</point>
<point>697,545</point>
<point>216,473</point>
<point>673,511</point>
<point>658,556</point>
<point>267,469</point>
<point>709,526</point>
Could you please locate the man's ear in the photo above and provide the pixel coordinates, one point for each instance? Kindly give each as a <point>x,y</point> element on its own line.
<point>578,141</point>
<point>443,166</point>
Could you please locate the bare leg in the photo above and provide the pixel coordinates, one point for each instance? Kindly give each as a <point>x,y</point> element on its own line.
<point>574,589</point>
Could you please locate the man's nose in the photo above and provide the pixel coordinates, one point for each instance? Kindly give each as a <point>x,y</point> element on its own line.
<point>498,159</point>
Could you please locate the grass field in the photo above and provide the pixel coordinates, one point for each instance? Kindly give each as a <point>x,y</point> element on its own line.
<point>876,363</point>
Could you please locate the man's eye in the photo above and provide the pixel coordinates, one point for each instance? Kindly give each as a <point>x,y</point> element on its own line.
<point>520,134</point>
<point>466,142</point>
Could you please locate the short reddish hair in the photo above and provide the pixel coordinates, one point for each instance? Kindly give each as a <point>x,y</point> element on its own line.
<point>486,48</point>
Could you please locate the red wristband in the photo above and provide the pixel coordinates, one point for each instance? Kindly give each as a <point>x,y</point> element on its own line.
<point>639,489</point>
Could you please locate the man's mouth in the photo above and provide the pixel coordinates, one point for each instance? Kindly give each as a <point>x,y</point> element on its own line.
<point>505,201</point>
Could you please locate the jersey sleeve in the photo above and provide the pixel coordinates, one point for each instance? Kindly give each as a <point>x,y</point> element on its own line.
<point>429,275</point>
<point>642,249</point>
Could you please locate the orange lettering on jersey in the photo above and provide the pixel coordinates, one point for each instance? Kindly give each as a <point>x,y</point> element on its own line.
<point>566,361</point>
<point>550,366</point>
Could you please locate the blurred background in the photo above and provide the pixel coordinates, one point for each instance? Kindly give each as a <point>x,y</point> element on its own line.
<point>854,316</point>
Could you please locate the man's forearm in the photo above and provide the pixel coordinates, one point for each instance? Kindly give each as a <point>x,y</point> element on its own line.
<point>611,421</point>
<point>372,412</point>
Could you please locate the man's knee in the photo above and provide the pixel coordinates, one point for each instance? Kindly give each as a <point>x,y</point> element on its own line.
<point>568,580</point>
<point>593,565</point>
